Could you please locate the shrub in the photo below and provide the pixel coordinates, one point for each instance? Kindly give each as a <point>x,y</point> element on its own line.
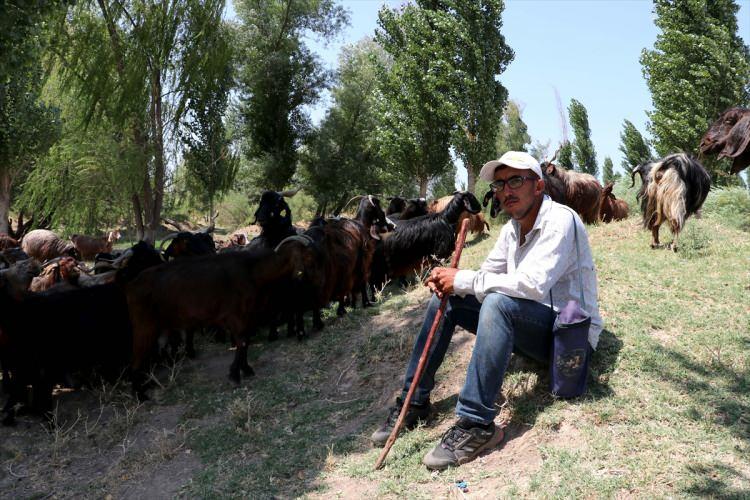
<point>731,205</point>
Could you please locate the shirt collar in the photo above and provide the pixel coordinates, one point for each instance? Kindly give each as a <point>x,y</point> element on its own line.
<point>546,205</point>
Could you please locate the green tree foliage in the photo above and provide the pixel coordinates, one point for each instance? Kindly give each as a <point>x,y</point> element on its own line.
<point>210,162</point>
<point>513,133</point>
<point>583,148</point>
<point>473,45</point>
<point>444,184</point>
<point>278,77</point>
<point>634,147</point>
<point>608,171</point>
<point>698,68</point>
<point>28,127</point>
<point>565,156</point>
<point>130,63</point>
<point>341,159</point>
<point>416,115</point>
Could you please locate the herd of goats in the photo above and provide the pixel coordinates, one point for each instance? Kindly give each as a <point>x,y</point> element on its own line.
<point>63,322</point>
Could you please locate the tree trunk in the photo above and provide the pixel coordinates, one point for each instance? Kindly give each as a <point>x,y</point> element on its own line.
<point>138,214</point>
<point>5,185</point>
<point>471,178</point>
<point>423,187</point>
<point>154,214</point>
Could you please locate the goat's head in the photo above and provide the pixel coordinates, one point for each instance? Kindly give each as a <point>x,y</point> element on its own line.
<point>370,213</point>
<point>468,201</point>
<point>396,205</point>
<point>729,137</point>
<point>273,210</point>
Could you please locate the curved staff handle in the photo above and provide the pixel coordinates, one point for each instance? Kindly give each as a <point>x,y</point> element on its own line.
<point>423,358</point>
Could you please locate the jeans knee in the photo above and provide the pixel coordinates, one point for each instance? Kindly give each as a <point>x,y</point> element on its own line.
<point>499,303</point>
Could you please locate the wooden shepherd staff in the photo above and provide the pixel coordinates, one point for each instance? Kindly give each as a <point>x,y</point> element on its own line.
<point>423,358</point>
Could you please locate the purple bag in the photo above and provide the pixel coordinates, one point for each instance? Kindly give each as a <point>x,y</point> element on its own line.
<point>569,366</point>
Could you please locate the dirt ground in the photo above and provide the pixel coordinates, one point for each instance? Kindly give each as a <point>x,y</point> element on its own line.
<point>103,444</point>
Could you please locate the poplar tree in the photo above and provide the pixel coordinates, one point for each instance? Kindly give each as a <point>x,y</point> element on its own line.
<point>583,147</point>
<point>699,67</point>
<point>279,76</point>
<point>634,147</point>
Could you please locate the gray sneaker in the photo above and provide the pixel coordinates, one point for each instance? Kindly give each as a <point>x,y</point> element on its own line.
<point>413,417</point>
<point>459,445</point>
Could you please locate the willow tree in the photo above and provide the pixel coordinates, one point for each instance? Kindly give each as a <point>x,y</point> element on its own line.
<point>28,126</point>
<point>131,62</point>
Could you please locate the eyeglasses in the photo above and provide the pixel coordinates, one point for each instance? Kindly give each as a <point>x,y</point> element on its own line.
<point>514,182</point>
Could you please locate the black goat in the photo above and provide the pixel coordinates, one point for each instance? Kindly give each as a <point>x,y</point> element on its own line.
<point>396,205</point>
<point>418,241</point>
<point>50,336</point>
<point>275,219</point>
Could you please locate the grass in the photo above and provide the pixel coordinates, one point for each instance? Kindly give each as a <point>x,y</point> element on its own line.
<point>667,413</point>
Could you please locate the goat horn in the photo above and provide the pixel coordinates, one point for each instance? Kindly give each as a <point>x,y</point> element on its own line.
<point>302,238</point>
<point>168,237</point>
<point>632,174</point>
<point>290,193</point>
<point>359,196</point>
<point>369,197</point>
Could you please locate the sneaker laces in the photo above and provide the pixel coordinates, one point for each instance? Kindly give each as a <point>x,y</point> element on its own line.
<point>454,438</point>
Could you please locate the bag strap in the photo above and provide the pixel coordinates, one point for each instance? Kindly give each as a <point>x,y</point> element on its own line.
<point>578,261</point>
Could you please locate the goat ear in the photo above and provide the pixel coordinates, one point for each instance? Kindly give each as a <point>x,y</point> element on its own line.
<point>374,232</point>
<point>738,139</point>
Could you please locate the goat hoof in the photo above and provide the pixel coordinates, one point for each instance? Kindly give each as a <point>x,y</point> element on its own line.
<point>234,376</point>
<point>247,371</point>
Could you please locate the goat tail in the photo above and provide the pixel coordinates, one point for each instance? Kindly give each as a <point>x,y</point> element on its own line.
<point>666,199</point>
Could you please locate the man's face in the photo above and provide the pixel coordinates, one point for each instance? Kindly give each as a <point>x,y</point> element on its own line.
<point>518,202</point>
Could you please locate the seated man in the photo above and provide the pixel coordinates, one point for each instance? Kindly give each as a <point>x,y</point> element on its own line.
<point>508,303</point>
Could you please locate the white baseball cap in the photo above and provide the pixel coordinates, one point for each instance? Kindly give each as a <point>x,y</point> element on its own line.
<point>516,159</point>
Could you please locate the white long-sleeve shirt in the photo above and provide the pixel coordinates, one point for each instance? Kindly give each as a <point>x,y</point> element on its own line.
<point>546,262</point>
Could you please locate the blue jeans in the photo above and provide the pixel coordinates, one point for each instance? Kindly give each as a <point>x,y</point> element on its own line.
<point>502,325</point>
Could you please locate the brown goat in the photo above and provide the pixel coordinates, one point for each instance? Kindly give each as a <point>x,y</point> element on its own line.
<point>89,246</point>
<point>237,291</point>
<point>612,208</point>
<point>43,245</point>
<point>729,137</point>
<point>61,270</point>
<point>583,192</point>
<point>477,224</point>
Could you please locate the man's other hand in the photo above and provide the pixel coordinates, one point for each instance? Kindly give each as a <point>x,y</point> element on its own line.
<point>441,280</point>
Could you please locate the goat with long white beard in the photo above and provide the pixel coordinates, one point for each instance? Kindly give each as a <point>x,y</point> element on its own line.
<point>675,188</point>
